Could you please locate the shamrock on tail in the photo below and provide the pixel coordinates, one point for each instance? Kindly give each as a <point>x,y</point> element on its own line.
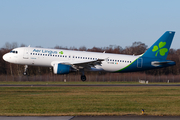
<point>162,51</point>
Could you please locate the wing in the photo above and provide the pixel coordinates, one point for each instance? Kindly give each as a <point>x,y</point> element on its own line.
<point>87,64</point>
<point>81,64</point>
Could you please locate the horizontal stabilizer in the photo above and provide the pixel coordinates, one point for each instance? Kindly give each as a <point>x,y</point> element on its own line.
<point>162,63</point>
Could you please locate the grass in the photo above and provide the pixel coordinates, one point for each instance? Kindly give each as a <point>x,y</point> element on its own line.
<point>42,101</point>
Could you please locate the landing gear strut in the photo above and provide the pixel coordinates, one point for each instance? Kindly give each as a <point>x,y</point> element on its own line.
<point>25,70</point>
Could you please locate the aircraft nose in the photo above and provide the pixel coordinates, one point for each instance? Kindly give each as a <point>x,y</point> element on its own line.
<point>5,57</point>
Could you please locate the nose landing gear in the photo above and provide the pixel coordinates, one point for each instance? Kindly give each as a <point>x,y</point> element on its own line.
<point>25,70</point>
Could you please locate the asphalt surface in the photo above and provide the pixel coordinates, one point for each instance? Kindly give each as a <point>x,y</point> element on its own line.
<point>125,118</point>
<point>94,118</point>
<point>83,85</point>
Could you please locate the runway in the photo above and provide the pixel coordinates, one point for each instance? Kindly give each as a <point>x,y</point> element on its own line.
<point>85,85</point>
<point>93,118</point>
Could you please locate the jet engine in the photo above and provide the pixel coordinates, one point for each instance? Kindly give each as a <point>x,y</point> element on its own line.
<point>59,68</point>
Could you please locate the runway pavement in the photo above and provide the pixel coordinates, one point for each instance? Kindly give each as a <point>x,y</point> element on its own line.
<point>82,85</point>
<point>93,118</point>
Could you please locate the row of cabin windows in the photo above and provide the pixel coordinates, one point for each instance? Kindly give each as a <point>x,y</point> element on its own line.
<point>119,61</point>
<point>89,58</point>
<point>79,57</point>
<point>64,56</point>
<point>49,55</point>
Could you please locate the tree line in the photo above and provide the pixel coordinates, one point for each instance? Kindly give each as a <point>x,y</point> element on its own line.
<point>136,48</point>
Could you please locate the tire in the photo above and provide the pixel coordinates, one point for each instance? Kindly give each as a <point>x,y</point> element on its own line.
<point>83,78</point>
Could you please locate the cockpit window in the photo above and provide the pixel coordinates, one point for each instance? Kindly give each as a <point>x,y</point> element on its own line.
<point>16,52</point>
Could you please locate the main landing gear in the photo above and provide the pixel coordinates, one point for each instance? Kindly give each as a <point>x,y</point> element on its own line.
<point>83,77</point>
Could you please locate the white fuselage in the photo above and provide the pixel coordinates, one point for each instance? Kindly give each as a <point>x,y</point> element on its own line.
<point>46,57</point>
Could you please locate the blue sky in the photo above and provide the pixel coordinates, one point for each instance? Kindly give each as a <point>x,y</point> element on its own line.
<point>89,23</point>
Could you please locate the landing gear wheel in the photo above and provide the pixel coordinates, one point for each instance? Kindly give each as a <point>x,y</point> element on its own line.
<point>25,73</point>
<point>83,77</point>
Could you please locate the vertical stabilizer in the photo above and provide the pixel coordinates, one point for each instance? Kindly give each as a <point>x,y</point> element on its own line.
<point>161,47</point>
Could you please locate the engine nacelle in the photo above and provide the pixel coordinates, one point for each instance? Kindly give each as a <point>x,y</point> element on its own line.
<point>61,68</point>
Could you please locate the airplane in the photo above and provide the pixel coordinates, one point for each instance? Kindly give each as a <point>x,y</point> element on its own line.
<point>66,61</point>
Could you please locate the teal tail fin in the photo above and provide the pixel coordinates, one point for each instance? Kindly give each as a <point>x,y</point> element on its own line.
<point>161,47</point>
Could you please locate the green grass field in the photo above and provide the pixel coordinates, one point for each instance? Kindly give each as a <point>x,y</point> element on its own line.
<point>42,101</point>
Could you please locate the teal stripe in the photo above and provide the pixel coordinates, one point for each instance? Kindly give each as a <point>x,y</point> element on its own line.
<point>128,65</point>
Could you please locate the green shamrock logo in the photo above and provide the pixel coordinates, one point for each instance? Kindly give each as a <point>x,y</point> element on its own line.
<point>162,51</point>
<point>61,52</point>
